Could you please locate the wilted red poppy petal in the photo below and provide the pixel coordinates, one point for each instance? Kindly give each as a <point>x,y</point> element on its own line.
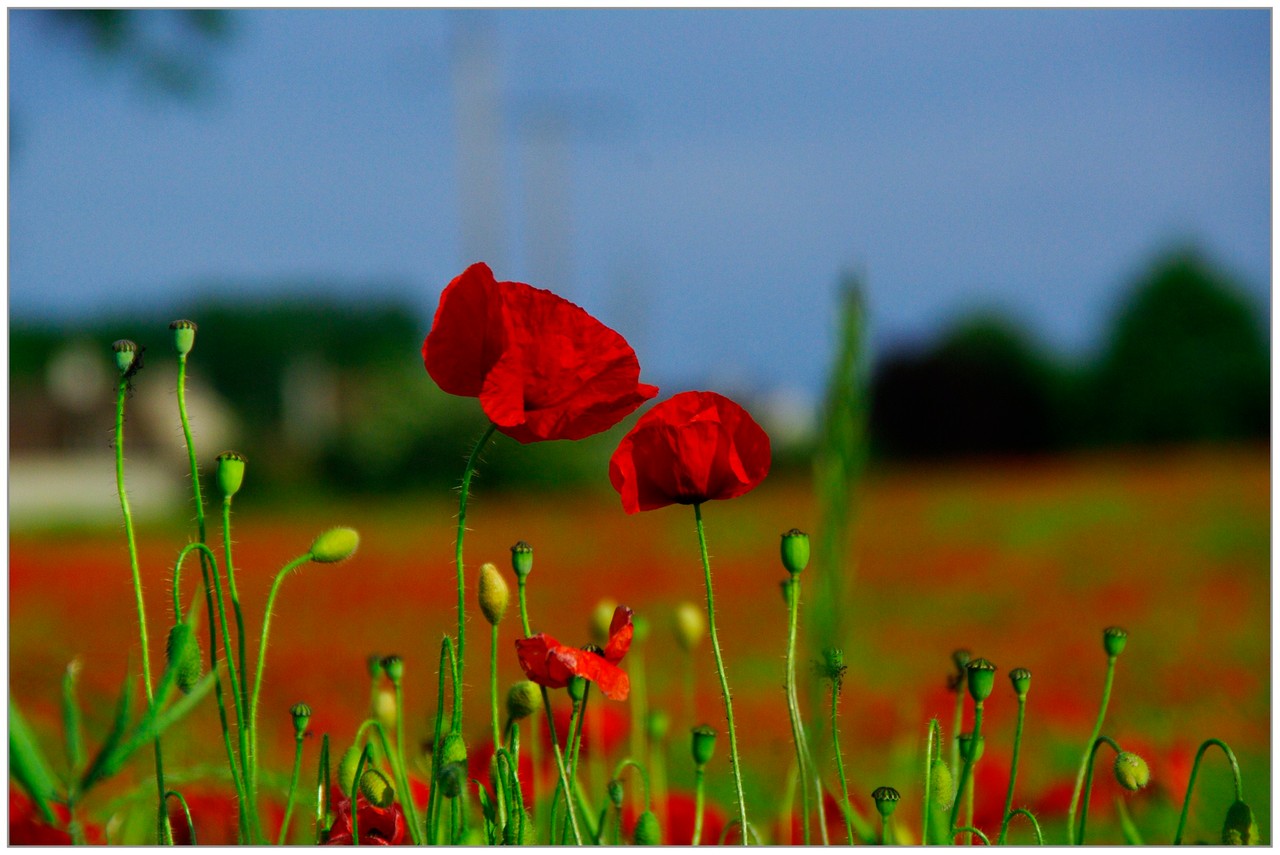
<point>611,679</point>
<point>540,663</point>
<point>620,634</point>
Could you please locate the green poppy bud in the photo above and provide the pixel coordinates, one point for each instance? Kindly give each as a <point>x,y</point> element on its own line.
<point>523,699</point>
<point>658,725</point>
<point>940,784</point>
<point>1113,639</point>
<point>494,594</point>
<point>577,688</point>
<point>513,829</point>
<point>1241,827</point>
<point>384,708</point>
<point>960,658</point>
<point>615,793</point>
<point>394,667</point>
<point>127,354</point>
<point>1131,771</point>
<point>334,545</point>
<point>183,649</point>
<point>230,473</point>
<point>648,832</point>
<point>347,770</point>
<point>184,336</point>
<point>982,679</point>
<point>376,789</point>
<point>886,799</point>
<point>451,779</point>
<point>301,715</point>
<point>795,551</point>
<point>971,749</point>
<point>375,665</point>
<point>704,744</point>
<point>832,666</point>
<point>690,626</point>
<point>601,618</point>
<point>1021,679</point>
<point>522,560</point>
<point>454,750</point>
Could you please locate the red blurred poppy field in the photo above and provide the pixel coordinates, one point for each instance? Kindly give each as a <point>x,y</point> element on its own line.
<point>1023,563</point>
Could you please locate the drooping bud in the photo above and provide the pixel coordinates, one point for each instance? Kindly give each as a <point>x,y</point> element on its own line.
<point>182,648</point>
<point>615,793</point>
<point>523,699</point>
<point>690,626</point>
<point>451,779</point>
<point>982,679</point>
<point>886,799</point>
<point>971,749</point>
<point>376,789</point>
<point>394,667</point>
<point>648,832</point>
<point>230,473</point>
<point>127,354</point>
<point>1113,640</point>
<point>184,336</point>
<point>454,750</point>
<point>577,688</point>
<point>1240,827</point>
<point>522,560</point>
<point>940,784</point>
<point>704,744</point>
<point>494,594</point>
<point>658,725</point>
<point>601,618</point>
<point>334,545</point>
<point>1131,771</point>
<point>795,551</point>
<point>1021,679</point>
<point>347,770</point>
<point>301,715</point>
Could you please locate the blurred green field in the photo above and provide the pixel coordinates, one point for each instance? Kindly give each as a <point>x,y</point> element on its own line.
<point>1023,563</point>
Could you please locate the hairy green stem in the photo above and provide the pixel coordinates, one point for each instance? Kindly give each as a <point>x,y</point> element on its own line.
<point>400,769</point>
<point>844,782</point>
<point>931,746</point>
<point>1191,782</point>
<point>793,706</point>
<point>968,768</point>
<point>293,790</point>
<point>1035,824</point>
<point>957,722</point>
<point>239,675</point>
<point>465,494</point>
<point>699,803</point>
<point>968,829</point>
<point>446,670</point>
<point>1013,769</point>
<point>186,811</point>
<point>1088,782</point>
<point>1084,761</point>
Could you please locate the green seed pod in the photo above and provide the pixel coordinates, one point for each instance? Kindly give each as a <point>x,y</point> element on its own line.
<point>230,473</point>
<point>454,750</point>
<point>658,725</point>
<point>1113,640</point>
<point>190,665</point>
<point>971,749</point>
<point>704,744</point>
<point>523,699</point>
<point>375,666</point>
<point>601,618</point>
<point>376,789</point>
<point>522,560</point>
<point>394,667</point>
<point>347,770</point>
<point>494,594</point>
<point>940,784</point>
<point>451,779</point>
<point>577,688</point>
<point>886,799</point>
<point>1241,827</point>
<point>795,551</point>
<point>1021,679</point>
<point>960,658</point>
<point>184,336</point>
<point>690,626</point>
<point>127,353</point>
<point>648,832</point>
<point>301,715</point>
<point>982,679</point>
<point>1131,771</point>
<point>334,545</point>
<point>615,793</point>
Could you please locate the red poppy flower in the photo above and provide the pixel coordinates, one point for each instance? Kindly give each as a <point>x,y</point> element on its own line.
<point>378,826</point>
<point>549,663</point>
<point>690,448</point>
<point>542,367</point>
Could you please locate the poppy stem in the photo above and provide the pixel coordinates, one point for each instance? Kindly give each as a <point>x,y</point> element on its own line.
<point>1084,761</point>
<point>957,722</point>
<point>1088,782</point>
<point>699,803</point>
<point>966,773</point>
<point>1013,769</point>
<point>322,790</point>
<point>248,761</point>
<point>464,494</point>
<point>293,790</point>
<point>793,704</point>
<point>930,748</point>
<point>844,783</point>
<point>1035,824</point>
<point>724,680</point>
<point>1191,782</point>
<point>493,685</point>
<point>447,670</point>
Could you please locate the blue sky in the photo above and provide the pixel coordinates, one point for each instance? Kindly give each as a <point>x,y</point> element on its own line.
<point>711,174</point>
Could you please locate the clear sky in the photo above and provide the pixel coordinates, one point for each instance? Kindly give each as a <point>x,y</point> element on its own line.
<point>696,178</point>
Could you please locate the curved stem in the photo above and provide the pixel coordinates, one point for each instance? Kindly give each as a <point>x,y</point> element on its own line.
<point>1013,768</point>
<point>844,782</point>
<point>355,797</point>
<point>1088,782</point>
<point>1191,782</point>
<point>930,746</point>
<point>462,596</point>
<point>400,769</point>
<point>1035,824</point>
<point>724,681</point>
<point>1084,761</point>
<point>632,763</point>
<point>191,826</point>
<point>968,829</point>
<point>293,790</point>
<point>793,705</point>
<point>968,768</point>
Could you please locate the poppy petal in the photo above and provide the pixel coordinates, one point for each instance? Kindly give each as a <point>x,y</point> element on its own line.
<point>611,679</point>
<point>620,634</point>
<point>539,660</point>
<point>468,334</point>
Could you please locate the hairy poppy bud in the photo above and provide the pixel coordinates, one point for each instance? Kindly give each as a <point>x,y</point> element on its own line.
<point>1021,679</point>
<point>832,666</point>
<point>886,799</point>
<point>1131,771</point>
<point>384,708</point>
<point>658,725</point>
<point>184,336</point>
<point>940,784</point>
<point>601,618</point>
<point>375,666</point>
<point>230,473</point>
<point>795,551</point>
<point>982,679</point>
<point>971,749</point>
<point>183,649</point>
<point>376,789</point>
<point>615,793</point>
<point>347,770</point>
<point>648,832</point>
<point>454,749</point>
<point>522,560</point>
<point>704,744</point>
<point>334,545</point>
<point>127,353</point>
<point>690,626</point>
<point>301,715</point>
<point>523,699</point>
<point>1240,828</point>
<point>1113,639</point>
<point>577,688</point>
<point>494,594</point>
<point>514,829</point>
<point>451,779</point>
<point>394,667</point>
